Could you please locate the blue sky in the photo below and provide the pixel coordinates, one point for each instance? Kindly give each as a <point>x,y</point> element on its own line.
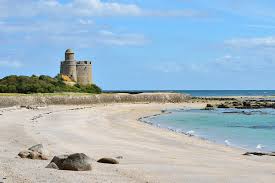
<point>138,44</point>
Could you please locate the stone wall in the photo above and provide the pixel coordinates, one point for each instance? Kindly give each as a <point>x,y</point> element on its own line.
<point>9,101</point>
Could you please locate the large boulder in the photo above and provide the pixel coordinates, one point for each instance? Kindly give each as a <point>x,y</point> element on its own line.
<point>52,165</point>
<point>73,162</point>
<point>36,152</point>
<point>108,161</point>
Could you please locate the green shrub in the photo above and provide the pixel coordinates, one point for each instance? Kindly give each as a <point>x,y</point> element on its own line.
<point>41,84</point>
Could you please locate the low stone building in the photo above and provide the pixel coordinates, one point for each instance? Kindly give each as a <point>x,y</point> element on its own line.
<point>78,71</point>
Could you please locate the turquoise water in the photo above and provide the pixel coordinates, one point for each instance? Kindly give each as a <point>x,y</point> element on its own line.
<point>248,129</point>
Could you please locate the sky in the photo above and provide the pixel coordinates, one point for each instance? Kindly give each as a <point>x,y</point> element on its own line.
<point>144,44</point>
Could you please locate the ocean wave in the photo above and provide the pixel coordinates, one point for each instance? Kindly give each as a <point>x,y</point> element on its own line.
<point>191,132</point>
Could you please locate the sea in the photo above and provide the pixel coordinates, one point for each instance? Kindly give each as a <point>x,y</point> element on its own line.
<point>248,129</point>
<point>205,93</point>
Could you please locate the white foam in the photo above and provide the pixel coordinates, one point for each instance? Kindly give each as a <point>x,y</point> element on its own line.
<point>260,146</point>
<point>191,132</point>
<point>227,142</point>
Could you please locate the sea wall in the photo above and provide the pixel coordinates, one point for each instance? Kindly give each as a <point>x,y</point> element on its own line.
<point>9,101</point>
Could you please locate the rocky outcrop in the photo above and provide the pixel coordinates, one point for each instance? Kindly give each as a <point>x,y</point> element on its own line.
<point>247,104</point>
<point>209,107</point>
<point>35,152</point>
<point>108,161</point>
<point>32,100</point>
<point>73,162</point>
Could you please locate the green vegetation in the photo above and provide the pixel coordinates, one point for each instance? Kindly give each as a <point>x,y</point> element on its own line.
<point>41,84</point>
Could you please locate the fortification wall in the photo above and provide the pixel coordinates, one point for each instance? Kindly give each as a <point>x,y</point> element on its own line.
<point>9,101</point>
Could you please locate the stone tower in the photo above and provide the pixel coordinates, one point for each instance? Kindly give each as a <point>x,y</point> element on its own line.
<point>79,71</point>
<point>84,72</point>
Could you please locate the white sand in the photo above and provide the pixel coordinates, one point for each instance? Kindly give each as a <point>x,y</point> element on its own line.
<point>149,154</point>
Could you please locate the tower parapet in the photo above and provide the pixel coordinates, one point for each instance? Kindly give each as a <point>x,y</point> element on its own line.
<point>78,71</point>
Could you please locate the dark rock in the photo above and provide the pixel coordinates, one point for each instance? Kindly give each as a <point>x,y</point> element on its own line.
<point>108,161</point>
<point>224,106</point>
<point>74,162</point>
<point>258,154</point>
<point>58,160</point>
<point>29,107</point>
<point>52,165</point>
<point>209,105</point>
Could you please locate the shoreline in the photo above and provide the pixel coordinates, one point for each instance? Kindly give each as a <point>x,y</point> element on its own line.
<point>149,154</point>
<point>143,120</point>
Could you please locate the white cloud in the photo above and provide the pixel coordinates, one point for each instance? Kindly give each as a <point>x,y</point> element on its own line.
<point>10,63</point>
<point>86,22</point>
<point>83,8</point>
<point>99,8</point>
<point>83,33</point>
<point>229,63</point>
<point>252,42</point>
<point>169,67</point>
<point>110,38</point>
<point>177,67</point>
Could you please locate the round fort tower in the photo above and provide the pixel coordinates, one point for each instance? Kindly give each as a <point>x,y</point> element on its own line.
<point>84,72</point>
<point>68,66</point>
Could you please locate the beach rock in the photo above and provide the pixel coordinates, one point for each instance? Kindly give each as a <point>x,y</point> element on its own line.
<point>52,165</point>
<point>58,160</point>
<point>258,154</point>
<point>247,104</point>
<point>119,157</point>
<point>108,161</point>
<point>37,155</point>
<point>37,148</point>
<point>209,105</point>
<point>34,152</point>
<point>29,107</point>
<point>74,162</point>
<point>224,106</point>
<point>24,154</point>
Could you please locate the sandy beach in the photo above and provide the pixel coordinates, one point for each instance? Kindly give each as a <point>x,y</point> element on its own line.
<point>149,154</point>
